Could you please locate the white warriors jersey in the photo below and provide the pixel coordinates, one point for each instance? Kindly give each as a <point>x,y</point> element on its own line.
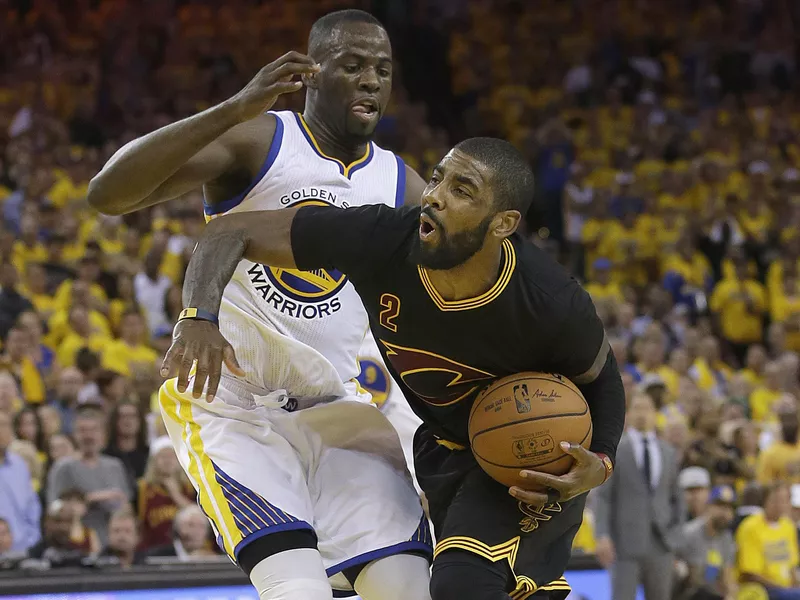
<point>299,333</point>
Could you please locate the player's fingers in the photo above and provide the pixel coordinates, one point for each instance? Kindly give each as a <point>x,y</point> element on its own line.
<point>201,373</point>
<point>285,88</point>
<point>292,56</point>
<point>214,374</point>
<point>185,368</point>
<point>229,355</point>
<point>529,496</point>
<point>578,452</point>
<point>290,69</point>
<point>169,365</point>
<point>537,479</point>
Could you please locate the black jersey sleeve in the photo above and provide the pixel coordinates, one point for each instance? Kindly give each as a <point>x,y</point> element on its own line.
<point>582,353</point>
<point>356,241</point>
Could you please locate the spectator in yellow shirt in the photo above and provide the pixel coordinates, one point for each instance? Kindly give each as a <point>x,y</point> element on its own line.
<point>602,289</point>
<point>88,273</point>
<point>81,336</point>
<point>786,309</point>
<point>755,219</point>
<point>22,367</point>
<point>754,364</point>
<point>781,460</point>
<point>764,397</point>
<point>739,305</point>
<point>124,354</point>
<point>35,289</point>
<point>687,273</point>
<point>708,371</point>
<point>767,544</point>
<point>59,325</point>
<point>28,248</point>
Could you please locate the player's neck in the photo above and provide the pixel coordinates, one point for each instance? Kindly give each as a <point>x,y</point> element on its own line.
<point>469,279</point>
<point>331,144</point>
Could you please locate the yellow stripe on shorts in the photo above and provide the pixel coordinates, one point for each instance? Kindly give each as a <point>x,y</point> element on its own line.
<point>178,407</point>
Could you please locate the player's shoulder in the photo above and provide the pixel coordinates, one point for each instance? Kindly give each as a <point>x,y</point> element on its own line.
<point>386,216</point>
<point>544,280</point>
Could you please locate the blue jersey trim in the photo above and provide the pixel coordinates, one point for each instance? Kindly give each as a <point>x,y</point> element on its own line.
<point>272,155</point>
<point>400,193</point>
<point>269,531</point>
<point>368,557</point>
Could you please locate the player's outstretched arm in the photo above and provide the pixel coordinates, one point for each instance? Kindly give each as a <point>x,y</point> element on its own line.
<point>356,241</point>
<point>263,237</point>
<point>197,150</point>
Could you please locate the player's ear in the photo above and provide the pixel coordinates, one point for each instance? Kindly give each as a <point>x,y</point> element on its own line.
<point>506,223</point>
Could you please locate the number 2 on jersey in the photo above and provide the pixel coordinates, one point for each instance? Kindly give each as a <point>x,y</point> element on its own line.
<point>391,308</point>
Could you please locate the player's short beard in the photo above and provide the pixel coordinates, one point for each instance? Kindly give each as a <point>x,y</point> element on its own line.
<point>453,250</point>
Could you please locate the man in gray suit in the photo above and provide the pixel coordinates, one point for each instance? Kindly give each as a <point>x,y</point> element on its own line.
<point>639,511</point>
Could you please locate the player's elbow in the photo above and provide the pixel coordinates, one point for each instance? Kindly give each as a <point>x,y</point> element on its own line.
<point>103,199</point>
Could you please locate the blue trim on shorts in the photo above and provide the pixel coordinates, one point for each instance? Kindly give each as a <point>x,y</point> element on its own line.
<point>272,155</point>
<point>400,192</point>
<point>368,557</point>
<point>250,510</point>
<point>263,532</point>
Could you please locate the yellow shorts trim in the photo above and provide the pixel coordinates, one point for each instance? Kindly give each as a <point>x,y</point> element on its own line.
<point>178,408</point>
<point>506,551</point>
<point>450,445</point>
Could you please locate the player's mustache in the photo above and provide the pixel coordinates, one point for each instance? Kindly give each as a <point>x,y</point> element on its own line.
<point>428,212</point>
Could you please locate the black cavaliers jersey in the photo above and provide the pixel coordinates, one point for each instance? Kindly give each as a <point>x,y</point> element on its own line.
<point>536,317</point>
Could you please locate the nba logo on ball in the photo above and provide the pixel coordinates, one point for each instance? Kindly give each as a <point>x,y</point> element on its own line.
<point>532,447</point>
<point>521,398</point>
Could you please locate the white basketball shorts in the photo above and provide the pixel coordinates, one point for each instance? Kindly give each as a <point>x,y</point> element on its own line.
<point>337,469</point>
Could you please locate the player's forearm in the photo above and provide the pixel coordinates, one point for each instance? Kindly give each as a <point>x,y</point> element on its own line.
<point>606,398</point>
<point>138,168</point>
<point>262,237</point>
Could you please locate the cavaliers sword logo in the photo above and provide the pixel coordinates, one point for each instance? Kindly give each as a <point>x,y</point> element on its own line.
<point>533,515</point>
<point>433,378</point>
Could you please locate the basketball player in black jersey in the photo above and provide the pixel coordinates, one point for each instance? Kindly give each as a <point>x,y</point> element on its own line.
<point>456,299</point>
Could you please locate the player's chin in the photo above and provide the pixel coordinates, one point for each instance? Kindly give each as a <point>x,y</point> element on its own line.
<point>362,125</point>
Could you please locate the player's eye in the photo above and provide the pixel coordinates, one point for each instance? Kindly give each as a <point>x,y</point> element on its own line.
<point>351,68</point>
<point>462,192</point>
<point>384,72</point>
<point>435,179</point>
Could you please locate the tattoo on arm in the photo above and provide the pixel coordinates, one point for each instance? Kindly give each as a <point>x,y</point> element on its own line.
<point>211,268</point>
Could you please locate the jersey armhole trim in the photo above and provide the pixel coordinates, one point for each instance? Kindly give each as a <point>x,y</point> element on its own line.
<point>400,192</point>
<point>272,155</point>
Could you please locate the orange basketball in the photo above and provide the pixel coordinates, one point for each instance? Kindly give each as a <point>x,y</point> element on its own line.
<point>519,421</point>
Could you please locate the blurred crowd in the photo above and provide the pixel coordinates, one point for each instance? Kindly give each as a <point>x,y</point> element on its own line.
<point>665,138</point>
<point>666,142</point>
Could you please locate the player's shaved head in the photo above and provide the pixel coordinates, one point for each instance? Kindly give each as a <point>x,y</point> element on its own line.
<point>323,31</point>
<point>512,177</point>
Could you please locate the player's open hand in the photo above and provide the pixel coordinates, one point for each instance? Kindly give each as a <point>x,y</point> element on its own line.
<point>587,472</point>
<point>278,77</point>
<point>195,340</point>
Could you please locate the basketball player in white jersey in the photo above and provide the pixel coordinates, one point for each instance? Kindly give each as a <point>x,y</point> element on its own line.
<point>301,476</point>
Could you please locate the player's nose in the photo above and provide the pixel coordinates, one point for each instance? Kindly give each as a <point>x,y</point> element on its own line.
<point>432,198</point>
<point>369,81</point>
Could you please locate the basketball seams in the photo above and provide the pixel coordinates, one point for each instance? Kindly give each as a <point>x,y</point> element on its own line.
<point>531,419</point>
<point>534,467</point>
